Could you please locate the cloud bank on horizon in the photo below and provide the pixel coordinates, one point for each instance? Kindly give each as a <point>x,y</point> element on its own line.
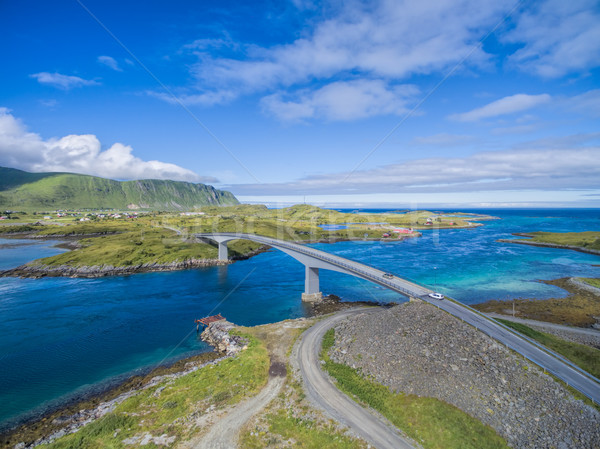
<point>519,169</point>
<point>79,154</point>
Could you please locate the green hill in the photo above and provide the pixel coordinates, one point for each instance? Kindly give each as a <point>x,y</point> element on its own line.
<point>20,190</point>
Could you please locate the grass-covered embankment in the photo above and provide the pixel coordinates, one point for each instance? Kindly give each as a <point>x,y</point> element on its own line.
<point>171,408</point>
<point>586,357</point>
<point>429,421</point>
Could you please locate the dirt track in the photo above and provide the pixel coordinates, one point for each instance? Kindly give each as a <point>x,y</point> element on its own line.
<point>325,395</point>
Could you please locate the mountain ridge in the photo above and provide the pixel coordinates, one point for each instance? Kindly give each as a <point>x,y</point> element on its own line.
<point>23,190</point>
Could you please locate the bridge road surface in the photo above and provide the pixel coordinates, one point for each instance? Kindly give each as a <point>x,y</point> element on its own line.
<point>543,357</point>
<point>324,393</point>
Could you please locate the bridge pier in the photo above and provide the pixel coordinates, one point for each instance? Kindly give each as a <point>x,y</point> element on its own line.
<point>223,252</point>
<point>311,285</point>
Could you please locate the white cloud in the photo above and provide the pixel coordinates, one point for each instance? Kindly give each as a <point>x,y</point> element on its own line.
<point>444,140</point>
<point>110,62</point>
<point>387,39</point>
<point>523,169</point>
<point>503,106</point>
<point>383,40</point>
<point>587,103</point>
<point>559,37</point>
<point>51,103</point>
<point>65,82</point>
<point>343,100</point>
<point>80,154</point>
<point>392,40</point>
<point>204,99</point>
<point>518,129</point>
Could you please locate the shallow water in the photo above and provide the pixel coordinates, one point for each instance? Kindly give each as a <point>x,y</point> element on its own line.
<point>61,336</point>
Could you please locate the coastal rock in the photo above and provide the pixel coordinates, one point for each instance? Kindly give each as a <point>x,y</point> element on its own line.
<point>217,334</point>
<point>418,349</point>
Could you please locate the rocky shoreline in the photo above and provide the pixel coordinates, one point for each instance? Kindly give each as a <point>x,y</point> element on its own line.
<point>70,419</point>
<point>78,412</point>
<point>33,270</point>
<point>417,349</point>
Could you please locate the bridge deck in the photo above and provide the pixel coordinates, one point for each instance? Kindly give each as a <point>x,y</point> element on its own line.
<point>403,286</point>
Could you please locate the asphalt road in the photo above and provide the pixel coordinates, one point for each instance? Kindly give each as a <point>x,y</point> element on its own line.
<point>323,393</point>
<point>548,360</point>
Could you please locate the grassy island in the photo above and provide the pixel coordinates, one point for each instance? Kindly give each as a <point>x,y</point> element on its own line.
<point>588,241</point>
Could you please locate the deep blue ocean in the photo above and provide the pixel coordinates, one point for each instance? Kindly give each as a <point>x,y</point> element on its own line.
<point>61,338</point>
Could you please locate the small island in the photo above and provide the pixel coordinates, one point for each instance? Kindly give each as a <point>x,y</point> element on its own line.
<point>586,242</point>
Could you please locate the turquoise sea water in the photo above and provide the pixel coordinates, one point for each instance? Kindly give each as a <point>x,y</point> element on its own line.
<point>61,338</point>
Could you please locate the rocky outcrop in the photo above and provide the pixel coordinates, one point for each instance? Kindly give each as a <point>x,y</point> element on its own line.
<point>218,335</point>
<point>418,349</point>
<point>39,270</point>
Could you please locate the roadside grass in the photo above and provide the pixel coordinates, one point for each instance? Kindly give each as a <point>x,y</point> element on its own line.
<point>293,423</point>
<point>171,407</point>
<point>433,423</point>
<point>585,357</point>
<point>306,433</point>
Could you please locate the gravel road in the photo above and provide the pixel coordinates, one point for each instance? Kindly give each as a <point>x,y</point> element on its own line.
<point>325,395</point>
<point>224,433</point>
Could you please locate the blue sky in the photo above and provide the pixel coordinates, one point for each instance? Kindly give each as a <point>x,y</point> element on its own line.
<point>381,103</point>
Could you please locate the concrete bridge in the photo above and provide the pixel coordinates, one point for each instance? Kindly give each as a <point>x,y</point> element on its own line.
<point>313,260</point>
